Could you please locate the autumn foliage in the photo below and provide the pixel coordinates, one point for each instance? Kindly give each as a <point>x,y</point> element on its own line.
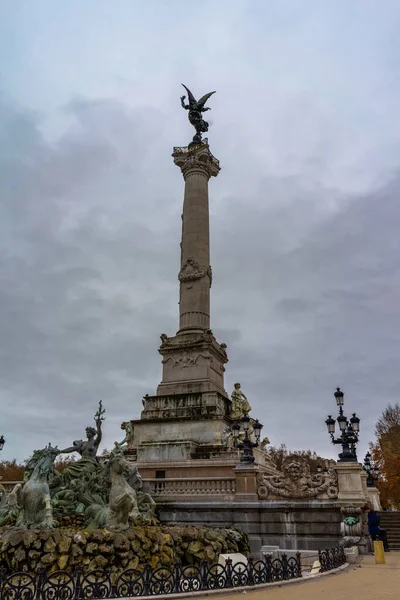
<point>278,453</point>
<point>10,470</point>
<point>386,454</point>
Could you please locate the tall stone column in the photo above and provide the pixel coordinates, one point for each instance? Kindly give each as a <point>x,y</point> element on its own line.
<point>193,361</point>
<point>195,275</point>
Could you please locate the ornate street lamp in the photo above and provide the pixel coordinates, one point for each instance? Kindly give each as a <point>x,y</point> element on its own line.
<point>349,430</point>
<point>371,469</point>
<point>2,442</point>
<point>247,445</point>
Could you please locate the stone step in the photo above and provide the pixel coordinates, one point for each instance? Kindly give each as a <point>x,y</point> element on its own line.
<point>394,521</point>
<point>391,522</point>
<point>392,531</point>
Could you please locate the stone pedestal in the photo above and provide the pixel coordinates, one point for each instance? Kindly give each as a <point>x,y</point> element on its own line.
<point>351,483</point>
<point>192,362</point>
<point>246,483</point>
<point>374,498</point>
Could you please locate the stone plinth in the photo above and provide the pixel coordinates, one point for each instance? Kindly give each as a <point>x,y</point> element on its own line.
<point>351,483</point>
<point>190,405</point>
<point>374,498</point>
<point>246,483</point>
<point>192,362</point>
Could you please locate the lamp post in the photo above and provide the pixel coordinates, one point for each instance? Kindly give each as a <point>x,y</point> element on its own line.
<point>372,470</point>
<point>247,445</point>
<point>349,430</point>
<point>2,442</point>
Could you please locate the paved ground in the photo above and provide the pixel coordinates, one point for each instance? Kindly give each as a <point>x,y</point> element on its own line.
<point>366,582</point>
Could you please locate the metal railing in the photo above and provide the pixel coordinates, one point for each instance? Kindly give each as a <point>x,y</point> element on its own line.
<point>331,558</point>
<point>98,584</point>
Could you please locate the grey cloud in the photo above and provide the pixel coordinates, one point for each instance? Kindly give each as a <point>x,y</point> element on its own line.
<point>304,293</point>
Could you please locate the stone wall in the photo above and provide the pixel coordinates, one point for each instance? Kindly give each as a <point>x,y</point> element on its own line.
<point>298,525</point>
<point>27,550</point>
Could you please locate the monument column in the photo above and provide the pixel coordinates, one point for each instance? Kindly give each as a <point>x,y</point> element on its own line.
<point>193,361</point>
<point>195,276</point>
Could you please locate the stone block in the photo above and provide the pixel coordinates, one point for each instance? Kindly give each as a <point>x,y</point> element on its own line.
<point>351,554</point>
<point>316,568</point>
<point>236,558</point>
<point>269,550</point>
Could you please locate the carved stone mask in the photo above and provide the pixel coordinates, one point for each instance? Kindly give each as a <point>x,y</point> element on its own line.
<point>294,471</point>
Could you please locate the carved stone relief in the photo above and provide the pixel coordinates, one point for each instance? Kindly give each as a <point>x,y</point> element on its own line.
<point>296,481</point>
<point>191,271</point>
<point>188,360</point>
<point>202,163</point>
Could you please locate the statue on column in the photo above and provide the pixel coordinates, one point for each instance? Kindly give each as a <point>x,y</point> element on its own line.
<point>240,404</point>
<point>129,436</point>
<point>196,108</point>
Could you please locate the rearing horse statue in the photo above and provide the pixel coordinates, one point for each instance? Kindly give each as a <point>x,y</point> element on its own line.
<point>34,499</point>
<point>122,502</point>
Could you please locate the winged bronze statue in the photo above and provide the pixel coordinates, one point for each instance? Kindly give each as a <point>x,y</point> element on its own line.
<point>196,108</point>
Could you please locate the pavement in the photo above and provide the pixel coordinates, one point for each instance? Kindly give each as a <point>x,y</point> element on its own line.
<point>364,581</point>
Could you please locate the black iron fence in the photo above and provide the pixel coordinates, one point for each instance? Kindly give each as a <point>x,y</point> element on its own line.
<point>99,584</point>
<point>331,558</point>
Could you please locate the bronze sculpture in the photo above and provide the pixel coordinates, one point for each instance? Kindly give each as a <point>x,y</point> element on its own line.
<point>101,492</point>
<point>88,449</point>
<point>196,108</point>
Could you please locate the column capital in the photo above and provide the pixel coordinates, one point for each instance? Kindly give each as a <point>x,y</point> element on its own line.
<point>196,159</point>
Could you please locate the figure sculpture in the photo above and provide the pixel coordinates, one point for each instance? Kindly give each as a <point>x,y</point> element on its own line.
<point>296,481</point>
<point>33,499</point>
<point>126,503</point>
<point>10,511</point>
<point>196,108</point>
<point>227,438</point>
<point>87,449</point>
<point>129,435</point>
<point>240,404</point>
<point>146,504</point>
<point>102,494</point>
<point>264,443</point>
<point>122,501</point>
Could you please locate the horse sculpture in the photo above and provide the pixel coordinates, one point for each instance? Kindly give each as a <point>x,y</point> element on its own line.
<point>122,506</point>
<point>34,503</point>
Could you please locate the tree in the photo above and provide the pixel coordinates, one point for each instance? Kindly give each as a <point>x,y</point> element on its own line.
<point>277,454</point>
<point>386,454</point>
<point>10,470</point>
<point>388,421</point>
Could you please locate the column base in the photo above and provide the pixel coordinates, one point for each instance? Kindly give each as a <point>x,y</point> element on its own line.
<point>193,362</point>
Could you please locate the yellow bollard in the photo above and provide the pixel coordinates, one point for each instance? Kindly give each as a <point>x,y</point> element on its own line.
<point>379,553</point>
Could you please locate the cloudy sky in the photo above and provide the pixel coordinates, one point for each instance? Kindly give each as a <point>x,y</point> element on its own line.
<point>304,214</point>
